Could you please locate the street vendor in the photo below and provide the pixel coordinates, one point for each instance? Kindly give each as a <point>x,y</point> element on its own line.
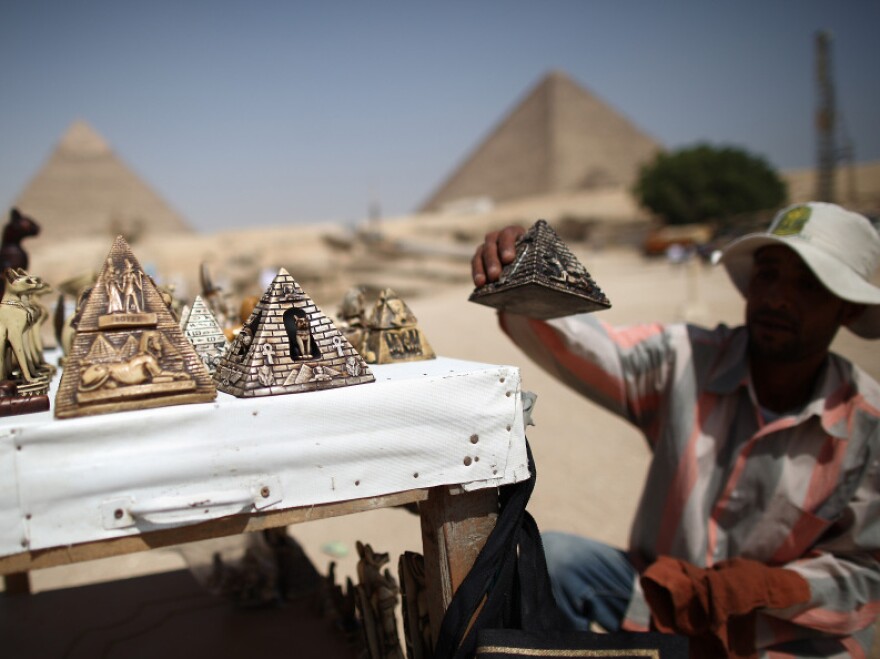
<point>758,530</point>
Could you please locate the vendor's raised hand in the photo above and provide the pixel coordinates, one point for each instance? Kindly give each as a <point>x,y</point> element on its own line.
<point>497,250</point>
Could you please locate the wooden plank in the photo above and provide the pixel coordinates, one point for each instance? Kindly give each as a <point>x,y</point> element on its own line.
<point>455,526</point>
<point>225,526</point>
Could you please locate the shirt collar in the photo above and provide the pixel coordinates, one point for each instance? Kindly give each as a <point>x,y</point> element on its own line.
<point>832,390</point>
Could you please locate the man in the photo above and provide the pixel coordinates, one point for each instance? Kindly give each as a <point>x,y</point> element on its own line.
<point>758,530</point>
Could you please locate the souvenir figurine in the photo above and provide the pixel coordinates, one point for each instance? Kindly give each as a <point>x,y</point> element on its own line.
<point>545,280</point>
<point>24,373</point>
<point>377,597</point>
<point>128,352</point>
<point>414,606</point>
<point>40,316</point>
<point>393,333</point>
<point>12,403</point>
<point>203,331</point>
<point>288,346</point>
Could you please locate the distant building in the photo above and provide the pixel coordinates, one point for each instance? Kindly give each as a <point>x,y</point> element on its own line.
<point>559,138</point>
<point>85,189</point>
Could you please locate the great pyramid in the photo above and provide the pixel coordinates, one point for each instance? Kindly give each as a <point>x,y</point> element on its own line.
<point>84,188</point>
<point>559,138</point>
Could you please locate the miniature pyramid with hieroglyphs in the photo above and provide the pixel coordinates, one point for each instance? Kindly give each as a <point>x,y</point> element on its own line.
<point>288,346</point>
<point>128,351</point>
<point>393,333</point>
<point>204,332</point>
<point>544,280</point>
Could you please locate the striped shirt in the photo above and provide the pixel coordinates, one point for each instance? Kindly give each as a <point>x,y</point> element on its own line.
<point>800,491</point>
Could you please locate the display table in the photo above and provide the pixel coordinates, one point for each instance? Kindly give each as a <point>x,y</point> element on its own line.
<point>442,432</point>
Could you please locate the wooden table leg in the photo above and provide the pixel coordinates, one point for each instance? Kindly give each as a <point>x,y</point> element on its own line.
<point>17,583</point>
<point>454,530</point>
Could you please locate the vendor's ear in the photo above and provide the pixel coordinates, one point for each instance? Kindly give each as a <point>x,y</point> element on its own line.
<point>852,312</point>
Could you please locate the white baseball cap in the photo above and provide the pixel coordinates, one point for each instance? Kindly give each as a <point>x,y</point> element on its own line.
<point>842,249</point>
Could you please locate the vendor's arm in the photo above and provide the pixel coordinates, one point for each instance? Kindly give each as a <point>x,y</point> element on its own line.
<point>623,369</point>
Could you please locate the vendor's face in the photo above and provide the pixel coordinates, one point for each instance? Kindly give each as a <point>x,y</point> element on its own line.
<point>790,315</point>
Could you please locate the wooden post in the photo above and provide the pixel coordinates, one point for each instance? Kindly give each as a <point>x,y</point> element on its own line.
<point>17,583</point>
<point>455,526</point>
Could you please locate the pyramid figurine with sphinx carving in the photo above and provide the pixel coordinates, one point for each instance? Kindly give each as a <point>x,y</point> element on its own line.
<point>128,351</point>
<point>287,346</point>
<point>545,280</point>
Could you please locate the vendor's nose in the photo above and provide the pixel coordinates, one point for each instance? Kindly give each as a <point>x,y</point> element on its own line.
<point>777,293</point>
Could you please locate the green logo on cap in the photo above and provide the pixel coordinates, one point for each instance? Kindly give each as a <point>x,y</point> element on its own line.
<point>792,223</point>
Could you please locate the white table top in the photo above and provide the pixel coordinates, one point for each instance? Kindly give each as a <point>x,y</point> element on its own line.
<point>421,424</point>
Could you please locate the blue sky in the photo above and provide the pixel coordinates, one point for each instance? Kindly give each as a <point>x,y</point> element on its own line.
<point>261,113</point>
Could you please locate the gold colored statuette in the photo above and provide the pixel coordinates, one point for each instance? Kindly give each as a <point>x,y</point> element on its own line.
<point>128,352</point>
<point>393,333</point>
<point>22,364</point>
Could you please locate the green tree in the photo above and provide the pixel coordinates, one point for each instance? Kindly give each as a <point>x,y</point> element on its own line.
<point>703,182</point>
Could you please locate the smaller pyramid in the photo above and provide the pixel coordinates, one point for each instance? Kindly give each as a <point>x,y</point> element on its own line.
<point>288,346</point>
<point>393,333</point>
<point>545,280</point>
<point>85,188</point>
<point>204,332</point>
<point>128,351</point>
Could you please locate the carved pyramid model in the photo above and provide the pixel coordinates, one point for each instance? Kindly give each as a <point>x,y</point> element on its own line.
<point>204,332</point>
<point>545,280</point>
<point>393,333</point>
<point>128,351</point>
<point>288,346</point>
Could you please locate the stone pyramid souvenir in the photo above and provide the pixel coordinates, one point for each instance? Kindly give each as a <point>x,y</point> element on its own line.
<point>288,346</point>
<point>545,280</point>
<point>393,333</point>
<point>205,334</point>
<point>128,351</point>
